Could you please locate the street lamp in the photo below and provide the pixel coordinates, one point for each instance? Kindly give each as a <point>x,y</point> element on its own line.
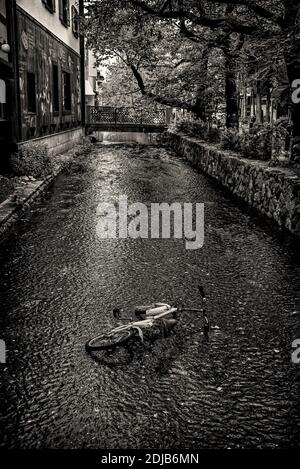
<point>5,47</point>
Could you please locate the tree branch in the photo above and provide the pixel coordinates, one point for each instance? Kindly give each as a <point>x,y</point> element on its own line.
<point>253,6</point>
<point>158,99</point>
<point>202,20</point>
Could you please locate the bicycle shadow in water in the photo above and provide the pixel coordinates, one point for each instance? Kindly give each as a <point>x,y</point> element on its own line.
<point>156,355</point>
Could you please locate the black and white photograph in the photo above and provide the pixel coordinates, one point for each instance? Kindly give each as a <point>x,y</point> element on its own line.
<point>149,228</point>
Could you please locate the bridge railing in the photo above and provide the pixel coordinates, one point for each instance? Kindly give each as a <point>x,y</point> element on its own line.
<point>126,115</point>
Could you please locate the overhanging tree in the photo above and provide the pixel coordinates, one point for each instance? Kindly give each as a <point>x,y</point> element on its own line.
<point>179,70</point>
<point>254,20</point>
<point>229,25</point>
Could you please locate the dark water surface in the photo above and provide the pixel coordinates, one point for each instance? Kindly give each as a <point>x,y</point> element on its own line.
<point>59,283</point>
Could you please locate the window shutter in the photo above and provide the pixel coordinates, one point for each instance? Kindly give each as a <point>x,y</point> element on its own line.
<point>50,5</point>
<point>68,12</point>
<point>61,10</point>
<point>75,21</point>
<point>64,12</point>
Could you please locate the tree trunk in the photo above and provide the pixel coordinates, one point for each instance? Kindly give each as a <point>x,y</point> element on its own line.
<point>200,107</point>
<point>292,60</point>
<point>293,69</point>
<point>258,103</point>
<point>268,107</point>
<point>253,107</point>
<point>245,102</point>
<point>231,92</point>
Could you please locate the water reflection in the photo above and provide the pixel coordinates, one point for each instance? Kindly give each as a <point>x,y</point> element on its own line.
<point>128,137</point>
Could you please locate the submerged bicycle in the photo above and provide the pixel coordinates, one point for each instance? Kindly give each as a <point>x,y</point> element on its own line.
<point>161,314</point>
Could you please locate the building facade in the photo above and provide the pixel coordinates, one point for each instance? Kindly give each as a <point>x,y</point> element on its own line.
<point>8,94</point>
<point>48,71</point>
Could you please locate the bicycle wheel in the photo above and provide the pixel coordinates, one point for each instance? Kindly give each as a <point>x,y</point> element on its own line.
<point>109,340</point>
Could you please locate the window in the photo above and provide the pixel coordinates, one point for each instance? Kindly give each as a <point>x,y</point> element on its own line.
<point>3,108</point>
<point>75,22</point>
<point>50,5</point>
<point>3,8</point>
<point>31,94</point>
<point>55,89</point>
<point>3,28</point>
<point>64,12</point>
<point>66,86</point>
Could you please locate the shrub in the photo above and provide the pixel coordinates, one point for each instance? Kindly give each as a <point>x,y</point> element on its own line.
<point>7,187</point>
<point>261,142</point>
<point>255,144</point>
<point>213,135</point>
<point>232,140</point>
<point>32,159</point>
<point>281,131</point>
<point>192,128</point>
<point>199,129</point>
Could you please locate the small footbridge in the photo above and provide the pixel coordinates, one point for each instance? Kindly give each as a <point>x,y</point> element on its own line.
<point>127,119</point>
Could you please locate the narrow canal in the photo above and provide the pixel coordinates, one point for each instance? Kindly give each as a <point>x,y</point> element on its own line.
<point>59,284</point>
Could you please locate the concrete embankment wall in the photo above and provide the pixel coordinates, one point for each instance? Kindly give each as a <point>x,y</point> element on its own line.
<point>274,192</point>
<point>60,142</point>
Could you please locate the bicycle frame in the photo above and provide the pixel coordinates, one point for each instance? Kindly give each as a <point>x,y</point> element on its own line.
<point>145,323</point>
<point>147,316</point>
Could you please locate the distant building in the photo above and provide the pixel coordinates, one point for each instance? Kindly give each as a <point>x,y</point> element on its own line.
<point>90,79</point>
<point>47,60</point>
<point>262,101</point>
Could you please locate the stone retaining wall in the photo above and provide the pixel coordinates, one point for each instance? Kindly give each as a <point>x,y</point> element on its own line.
<point>275,192</point>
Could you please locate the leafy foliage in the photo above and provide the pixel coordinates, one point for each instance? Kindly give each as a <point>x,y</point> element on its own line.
<point>232,140</point>
<point>199,130</point>
<point>7,187</point>
<point>189,53</point>
<point>261,142</point>
<point>32,159</point>
<point>149,56</point>
<point>255,144</point>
